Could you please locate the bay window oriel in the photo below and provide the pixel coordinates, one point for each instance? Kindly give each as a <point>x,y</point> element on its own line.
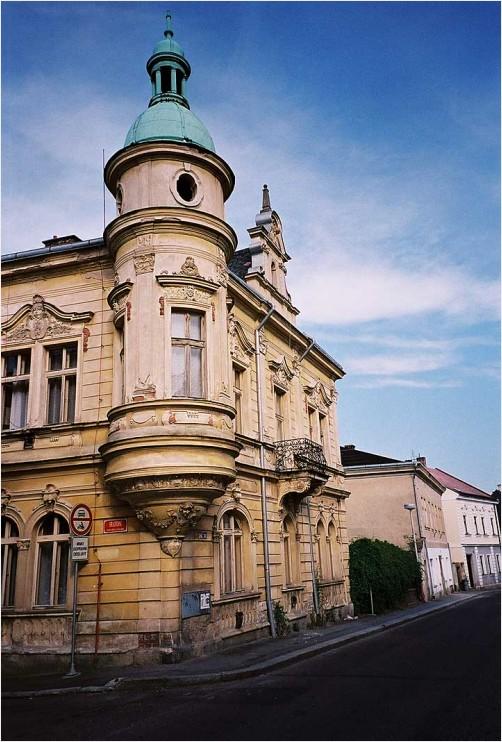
<point>187,353</point>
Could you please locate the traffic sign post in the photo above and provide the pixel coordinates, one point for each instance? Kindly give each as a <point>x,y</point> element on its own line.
<point>80,526</point>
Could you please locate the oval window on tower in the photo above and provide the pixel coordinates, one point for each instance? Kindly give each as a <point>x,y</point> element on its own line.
<point>119,199</point>
<point>187,188</point>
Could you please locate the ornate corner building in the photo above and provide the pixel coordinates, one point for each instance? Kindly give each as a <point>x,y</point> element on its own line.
<point>157,375</point>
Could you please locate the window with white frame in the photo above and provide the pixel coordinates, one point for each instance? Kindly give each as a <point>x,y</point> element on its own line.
<point>187,353</point>
<point>238,375</point>
<point>331,539</point>
<point>52,561</point>
<point>10,535</point>
<point>15,388</point>
<point>61,383</point>
<point>279,406</point>
<point>232,562</point>
<point>321,554</point>
<point>290,551</point>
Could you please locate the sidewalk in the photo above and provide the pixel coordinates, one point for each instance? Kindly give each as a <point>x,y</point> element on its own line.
<point>234,663</point>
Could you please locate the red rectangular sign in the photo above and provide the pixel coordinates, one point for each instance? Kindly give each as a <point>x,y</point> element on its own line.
<point>115,525</point>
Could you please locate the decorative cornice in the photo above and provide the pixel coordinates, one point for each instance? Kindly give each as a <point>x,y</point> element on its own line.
<point>318,396</point>
<point>282,372</point>
<point>241,349</point>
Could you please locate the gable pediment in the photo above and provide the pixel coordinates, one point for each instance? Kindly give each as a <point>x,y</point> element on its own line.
<point>282,372</point>
<point>42,320</point>
<point>318,395</point>
<point>241,349</point>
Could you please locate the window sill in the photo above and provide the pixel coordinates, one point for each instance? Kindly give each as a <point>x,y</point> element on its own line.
<point>35,612</point>
<point>291,588</point>
<point>236,597</point>
<point>327,583</point>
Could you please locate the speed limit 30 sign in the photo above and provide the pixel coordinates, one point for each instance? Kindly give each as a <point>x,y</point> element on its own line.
<point>81,520</point>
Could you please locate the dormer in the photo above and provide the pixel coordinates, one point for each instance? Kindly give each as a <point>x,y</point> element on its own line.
<point>267,256</point>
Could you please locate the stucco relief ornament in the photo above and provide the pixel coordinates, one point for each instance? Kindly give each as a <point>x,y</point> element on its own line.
<point>50,496</point>
<point>144,263</point>
<point>234,490</point>
<point>171,546</point>
<point>221,274</point>
<point>189,268</point>
<point>6,498</point>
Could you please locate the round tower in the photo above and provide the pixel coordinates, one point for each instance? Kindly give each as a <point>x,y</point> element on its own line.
<point>171,448</point>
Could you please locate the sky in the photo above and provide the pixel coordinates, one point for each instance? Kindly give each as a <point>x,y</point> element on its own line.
<point>376,127</point>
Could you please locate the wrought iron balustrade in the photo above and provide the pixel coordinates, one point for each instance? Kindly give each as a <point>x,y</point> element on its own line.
<point>300,454</point>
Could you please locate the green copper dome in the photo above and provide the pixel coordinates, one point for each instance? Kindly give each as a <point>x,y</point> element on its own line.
<point>169,121</point>
<point>168,117</point>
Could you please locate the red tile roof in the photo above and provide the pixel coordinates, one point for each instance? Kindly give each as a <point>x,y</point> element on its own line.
<point>457,485</point>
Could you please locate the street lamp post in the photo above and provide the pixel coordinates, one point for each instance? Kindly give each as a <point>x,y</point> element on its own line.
<point>411,508</point>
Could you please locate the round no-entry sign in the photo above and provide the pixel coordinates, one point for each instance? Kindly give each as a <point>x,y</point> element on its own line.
<point>81,520</point>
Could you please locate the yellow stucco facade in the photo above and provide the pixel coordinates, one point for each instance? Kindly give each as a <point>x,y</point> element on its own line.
<point>150,377</point>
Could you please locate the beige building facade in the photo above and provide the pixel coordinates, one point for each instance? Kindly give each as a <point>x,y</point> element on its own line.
<point>157,376</point>
<point>380,489</point>
<point>473,532</point>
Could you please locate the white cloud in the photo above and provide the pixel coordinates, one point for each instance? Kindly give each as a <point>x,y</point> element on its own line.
<point>388,365</point>
<point>407,383</point>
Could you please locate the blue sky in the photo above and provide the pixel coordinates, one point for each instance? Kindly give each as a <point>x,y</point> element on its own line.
<point>376,127</point>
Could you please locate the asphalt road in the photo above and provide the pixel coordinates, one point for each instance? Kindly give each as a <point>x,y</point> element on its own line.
<point>434,679</point>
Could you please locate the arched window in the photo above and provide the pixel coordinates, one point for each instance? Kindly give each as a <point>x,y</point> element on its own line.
<point>119,199</point>
<point>321,545</point>
<point>332,550</point>
<point>232,563</point>
<point>290,552</point>
<point>52,561</point>
<point>10,534</point>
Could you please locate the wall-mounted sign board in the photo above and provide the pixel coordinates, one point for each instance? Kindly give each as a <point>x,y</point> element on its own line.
<point>115,525</point>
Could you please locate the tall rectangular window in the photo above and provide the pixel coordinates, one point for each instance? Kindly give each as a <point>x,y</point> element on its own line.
<point>323,432</point>
<point>465,525</point>
<point>15,389</point>
<point>312,424</point>
<point>476,525</point>
<point>497,559</point>
<point>482,562</point>
<point>483,526</point>
<point>61,383</point>
<point>238,399</point>
<point>488,564</point>
<point>493,527</point>
<point>279,399</point>
<point>187,347</point>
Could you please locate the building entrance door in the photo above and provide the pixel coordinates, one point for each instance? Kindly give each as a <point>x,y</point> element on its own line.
<point>469,569</point>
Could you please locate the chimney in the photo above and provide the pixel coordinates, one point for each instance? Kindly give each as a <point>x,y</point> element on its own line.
<point>422,460</point>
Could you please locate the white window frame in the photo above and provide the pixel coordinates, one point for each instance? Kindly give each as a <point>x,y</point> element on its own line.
<point>9,558</point>
<point>187,343</point>
<point>63,374</point>
<point>18,378</point>
<point>232,565</point>
<point>56,538</point>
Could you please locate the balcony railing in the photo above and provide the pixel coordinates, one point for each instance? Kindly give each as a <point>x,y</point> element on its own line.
<point>300,454</point>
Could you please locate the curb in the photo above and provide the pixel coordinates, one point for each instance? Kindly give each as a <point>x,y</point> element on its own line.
<point>239,674</point>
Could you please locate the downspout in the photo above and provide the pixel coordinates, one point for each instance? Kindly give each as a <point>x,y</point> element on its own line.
<point>263,484</point>
<point>311,539</point>
<point>429,575</point>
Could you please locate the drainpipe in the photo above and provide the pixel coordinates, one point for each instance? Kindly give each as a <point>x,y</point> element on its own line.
<point>428,570</point>
<point>312,560</point>
<point>263,484</point>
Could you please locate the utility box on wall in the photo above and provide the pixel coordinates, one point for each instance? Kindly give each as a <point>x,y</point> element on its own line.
<point>195,603</point>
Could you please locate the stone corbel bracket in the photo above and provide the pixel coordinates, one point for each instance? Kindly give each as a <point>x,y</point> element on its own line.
<point>117,300</point>
<point>302,485</point>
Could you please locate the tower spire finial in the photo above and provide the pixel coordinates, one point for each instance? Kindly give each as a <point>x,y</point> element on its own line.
<point>265,206</point>
<point>169,26</point>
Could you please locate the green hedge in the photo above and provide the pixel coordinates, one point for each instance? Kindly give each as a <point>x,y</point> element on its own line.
<point>387,569</point>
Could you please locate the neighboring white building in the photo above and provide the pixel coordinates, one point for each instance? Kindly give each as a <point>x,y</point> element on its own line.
<point>472,530</point>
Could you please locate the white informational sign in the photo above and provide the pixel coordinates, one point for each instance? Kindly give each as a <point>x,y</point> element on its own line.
<point>80,548</point>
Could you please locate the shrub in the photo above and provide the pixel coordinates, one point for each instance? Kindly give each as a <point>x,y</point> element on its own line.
<point>385,568</point>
